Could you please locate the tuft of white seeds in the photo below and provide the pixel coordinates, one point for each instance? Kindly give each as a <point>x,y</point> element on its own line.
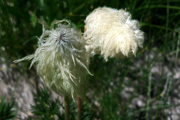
<point>112,33</point>
<point>61,59</point>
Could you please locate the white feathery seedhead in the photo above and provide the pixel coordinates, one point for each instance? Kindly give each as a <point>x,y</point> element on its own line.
<point>112,33</point>
<point>61,59</point>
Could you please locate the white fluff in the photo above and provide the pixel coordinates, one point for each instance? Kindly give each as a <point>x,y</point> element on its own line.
<point>112,33</point>
<point>61,59</point>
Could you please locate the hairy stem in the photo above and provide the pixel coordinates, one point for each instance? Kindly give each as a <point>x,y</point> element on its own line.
<point>79,108</point>
<point>66,100</point>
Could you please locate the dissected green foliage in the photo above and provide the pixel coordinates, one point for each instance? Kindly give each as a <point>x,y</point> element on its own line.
<point>7,110</point>
<point>48,109</point>
<point>44,107</point>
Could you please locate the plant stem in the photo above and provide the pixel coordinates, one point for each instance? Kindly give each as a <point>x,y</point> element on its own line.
<point>66,100</point>
<point>79,108</point>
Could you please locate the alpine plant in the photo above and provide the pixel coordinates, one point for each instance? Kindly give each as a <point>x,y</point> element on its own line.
<point>61,59</point>
<point>112,33</point>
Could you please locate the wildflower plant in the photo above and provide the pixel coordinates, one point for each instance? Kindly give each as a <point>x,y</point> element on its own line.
<point>62,54</point>
<point>111,81</point>
<point>112,33</point>
<point>61,59</point>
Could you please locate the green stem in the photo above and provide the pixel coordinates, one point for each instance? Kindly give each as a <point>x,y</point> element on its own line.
<point>66,100</point>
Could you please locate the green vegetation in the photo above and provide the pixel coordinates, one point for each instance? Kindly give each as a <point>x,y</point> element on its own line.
<point>141,88</point>
<point>7,110</point>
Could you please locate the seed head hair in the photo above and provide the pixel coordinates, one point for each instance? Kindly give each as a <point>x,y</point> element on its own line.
<point>112,33</point>
<point>61,59</point>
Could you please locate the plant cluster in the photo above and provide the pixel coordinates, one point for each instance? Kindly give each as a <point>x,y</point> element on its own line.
<point>143,88</point>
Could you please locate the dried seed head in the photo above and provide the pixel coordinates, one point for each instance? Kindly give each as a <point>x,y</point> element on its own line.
<point>61,59</point>
<point>112,33</point>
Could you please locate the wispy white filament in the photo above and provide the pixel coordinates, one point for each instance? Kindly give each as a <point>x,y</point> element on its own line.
<point>61,59</point>
<point>112,33</point>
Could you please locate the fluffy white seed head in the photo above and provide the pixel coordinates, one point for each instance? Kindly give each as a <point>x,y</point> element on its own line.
<point>112,33</point>
<point>61,59</point>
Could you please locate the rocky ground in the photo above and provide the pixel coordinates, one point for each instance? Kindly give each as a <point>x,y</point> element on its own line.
<point>20,86</point>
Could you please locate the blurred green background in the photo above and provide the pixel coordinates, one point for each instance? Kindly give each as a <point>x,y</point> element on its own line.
<point>143,88</point>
